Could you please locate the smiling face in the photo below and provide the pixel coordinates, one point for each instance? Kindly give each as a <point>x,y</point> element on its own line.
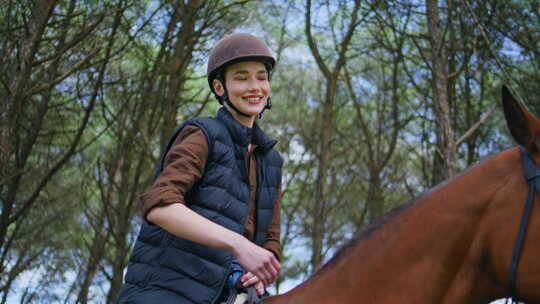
<point>248,87</point>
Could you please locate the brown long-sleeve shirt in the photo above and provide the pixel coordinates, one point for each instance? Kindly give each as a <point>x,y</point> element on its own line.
<point>184,166</point>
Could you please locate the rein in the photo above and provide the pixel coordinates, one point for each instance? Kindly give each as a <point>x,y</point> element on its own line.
<point>252,297</point>
<point>532,172</point>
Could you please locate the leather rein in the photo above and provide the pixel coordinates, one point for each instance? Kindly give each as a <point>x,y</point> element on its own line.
<point>252,297</point>
<point>532,172</point>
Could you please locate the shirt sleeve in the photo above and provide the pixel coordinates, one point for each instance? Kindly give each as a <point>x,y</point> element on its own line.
<point>184,166</point>
<point>272,241</point>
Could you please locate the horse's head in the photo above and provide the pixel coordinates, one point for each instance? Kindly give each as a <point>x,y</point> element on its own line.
<point>508,204</point>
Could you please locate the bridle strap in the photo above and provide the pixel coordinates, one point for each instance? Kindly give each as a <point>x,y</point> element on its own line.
<point>519,242</point>
<point>532,172</point>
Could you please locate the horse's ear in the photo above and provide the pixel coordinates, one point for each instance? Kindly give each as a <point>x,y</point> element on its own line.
<point>519,120</point>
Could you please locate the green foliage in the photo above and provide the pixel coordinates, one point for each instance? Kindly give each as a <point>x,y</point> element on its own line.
<point>80,226</point>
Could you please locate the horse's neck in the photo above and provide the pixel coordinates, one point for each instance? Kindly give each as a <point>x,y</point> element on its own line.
<point>430,253</point>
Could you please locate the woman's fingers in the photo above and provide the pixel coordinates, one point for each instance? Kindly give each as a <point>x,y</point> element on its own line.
<point>259,287</point>
<point>249,279</point>
<point>267,275</point>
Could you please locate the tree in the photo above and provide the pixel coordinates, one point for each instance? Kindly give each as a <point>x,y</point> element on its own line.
<point>331,75</point>
<point>42,52</point>
<point>380,118</point>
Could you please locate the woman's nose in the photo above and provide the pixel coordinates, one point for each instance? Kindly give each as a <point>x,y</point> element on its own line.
<point>254,85</point>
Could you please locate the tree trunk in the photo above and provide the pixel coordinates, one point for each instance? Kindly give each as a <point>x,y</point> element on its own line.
<point>327,126</point>
<point>186,40</point>
<point>97,250</point>
<point>325,152</point>
<point>445,164</point>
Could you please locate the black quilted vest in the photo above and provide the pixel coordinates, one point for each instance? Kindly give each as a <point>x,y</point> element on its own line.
<point>167,269</point>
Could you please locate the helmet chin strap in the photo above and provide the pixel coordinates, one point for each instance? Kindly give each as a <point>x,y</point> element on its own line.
<point>267,106</point>
<point>230,104</point>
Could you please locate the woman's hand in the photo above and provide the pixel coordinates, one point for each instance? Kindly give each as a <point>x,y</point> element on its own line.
<point>257,260</point>
<point>249,279</point>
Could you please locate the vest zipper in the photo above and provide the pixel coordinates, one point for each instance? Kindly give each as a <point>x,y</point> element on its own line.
<point>256,200</point>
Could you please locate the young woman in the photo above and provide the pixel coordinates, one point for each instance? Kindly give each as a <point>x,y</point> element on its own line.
<point>212,215</point>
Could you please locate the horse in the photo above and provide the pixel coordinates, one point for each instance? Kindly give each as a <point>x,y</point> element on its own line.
<point>452,245</point>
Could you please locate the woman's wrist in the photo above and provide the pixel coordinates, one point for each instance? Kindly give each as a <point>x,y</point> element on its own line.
<point>234,243</point>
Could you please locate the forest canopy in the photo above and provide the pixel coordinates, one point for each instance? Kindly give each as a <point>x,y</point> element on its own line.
<point>374,102</point>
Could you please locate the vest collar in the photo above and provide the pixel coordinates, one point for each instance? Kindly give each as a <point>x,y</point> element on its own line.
<point>243,135</point>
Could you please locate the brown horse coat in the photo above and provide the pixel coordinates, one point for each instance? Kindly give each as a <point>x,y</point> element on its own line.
<point>453,245</point>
